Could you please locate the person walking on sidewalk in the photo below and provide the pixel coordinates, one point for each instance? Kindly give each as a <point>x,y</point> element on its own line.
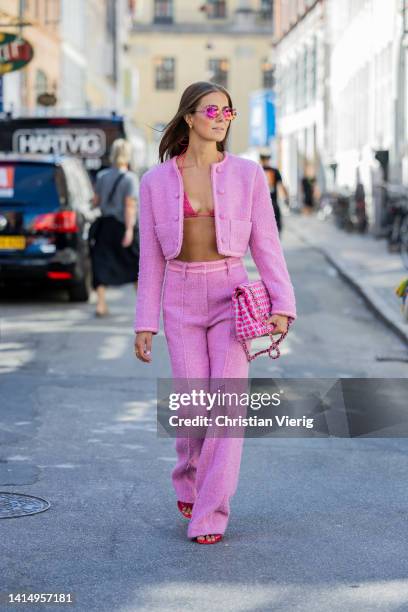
<point>115,254</point>
<point>200,208</point>
<point>308,186</point>
<point>274,179</point>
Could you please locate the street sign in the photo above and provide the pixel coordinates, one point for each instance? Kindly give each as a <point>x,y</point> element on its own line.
<point>47,99</point>
<point>15,52</point>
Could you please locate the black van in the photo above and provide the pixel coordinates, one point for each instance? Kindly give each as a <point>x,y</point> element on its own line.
<point>45,214</point>
<point>88,137</point>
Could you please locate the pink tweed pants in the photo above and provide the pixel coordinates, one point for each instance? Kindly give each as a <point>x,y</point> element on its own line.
<point>199,329</point>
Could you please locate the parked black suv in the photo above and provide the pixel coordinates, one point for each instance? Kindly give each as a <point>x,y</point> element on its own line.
<point>45,213</point>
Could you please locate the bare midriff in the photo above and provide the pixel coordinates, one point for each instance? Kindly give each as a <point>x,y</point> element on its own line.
<point>199,236</point>
<point>199,241</point>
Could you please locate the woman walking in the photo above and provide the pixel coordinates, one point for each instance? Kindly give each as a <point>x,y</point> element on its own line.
<point>200,208</point>
<point>115,254</point>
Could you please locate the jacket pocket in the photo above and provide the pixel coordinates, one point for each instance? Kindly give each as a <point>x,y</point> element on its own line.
<point>239,234</point>
<point>167,236</point>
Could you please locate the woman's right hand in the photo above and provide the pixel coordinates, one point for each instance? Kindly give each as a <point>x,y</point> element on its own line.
<point>143,346</point>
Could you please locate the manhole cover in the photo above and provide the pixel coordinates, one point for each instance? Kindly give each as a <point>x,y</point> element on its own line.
<point>18,504</point>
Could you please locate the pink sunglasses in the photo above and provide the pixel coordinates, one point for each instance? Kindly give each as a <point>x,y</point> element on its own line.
<point>212,111</point>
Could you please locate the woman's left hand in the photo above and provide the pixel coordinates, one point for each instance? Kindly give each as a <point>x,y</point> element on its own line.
<point>128,237</point>
<point>281,323</point>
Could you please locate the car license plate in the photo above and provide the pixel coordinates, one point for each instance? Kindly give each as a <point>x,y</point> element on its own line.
<point>12,242</point>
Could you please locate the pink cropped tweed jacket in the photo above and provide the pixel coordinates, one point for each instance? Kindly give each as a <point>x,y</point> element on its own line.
<point>243,215</point>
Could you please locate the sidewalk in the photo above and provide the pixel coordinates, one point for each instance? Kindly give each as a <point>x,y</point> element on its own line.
<point>362,260</point>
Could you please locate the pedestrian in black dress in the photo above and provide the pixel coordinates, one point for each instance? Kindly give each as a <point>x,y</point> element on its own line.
<point>115,250</point>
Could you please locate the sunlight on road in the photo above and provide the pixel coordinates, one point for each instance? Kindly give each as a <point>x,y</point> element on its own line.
<point>139,411</point>
<point>355,595</point>
<point>14,355</point>
<point>113,347</point>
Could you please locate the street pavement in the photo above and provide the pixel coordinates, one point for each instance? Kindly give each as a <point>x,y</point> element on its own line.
<point>363,261</point>
<point>316,524</point>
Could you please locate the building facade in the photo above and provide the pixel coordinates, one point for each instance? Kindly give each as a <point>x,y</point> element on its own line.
<point>365,88</point>
<point>176,42</point>
<point>301,90</point>
<point>38,22</point>
<point>80,56</point>
<point>342,93</point>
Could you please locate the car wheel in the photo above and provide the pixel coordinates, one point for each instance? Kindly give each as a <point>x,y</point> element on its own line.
<point>81,290</point>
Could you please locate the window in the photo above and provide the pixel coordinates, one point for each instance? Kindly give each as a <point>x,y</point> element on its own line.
<point>163,11</point>
<point>219,71</point>
<point>268,79</point>
<point>216,9</point>
<point>298,81</point>
<point>41,84</point>
<point>283,84</point>
<point>127,86</point>
<point>314,69</point>
<point>304,79</point>
<point>165,73</point>
<point>36,183</point>
<point>266,9</point>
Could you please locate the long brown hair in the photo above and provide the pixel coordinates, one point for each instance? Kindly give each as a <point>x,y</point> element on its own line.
<point>175,137</point>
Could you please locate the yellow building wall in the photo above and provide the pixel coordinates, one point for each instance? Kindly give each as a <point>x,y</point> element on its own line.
<point>245,55</point>
<point>8,8</point>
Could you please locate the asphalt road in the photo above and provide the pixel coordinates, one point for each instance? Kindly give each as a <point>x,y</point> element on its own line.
<point>316,524</point>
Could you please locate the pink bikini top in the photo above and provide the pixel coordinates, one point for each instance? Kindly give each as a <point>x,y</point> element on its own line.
<point>188,209</point>
<point>190,212</point>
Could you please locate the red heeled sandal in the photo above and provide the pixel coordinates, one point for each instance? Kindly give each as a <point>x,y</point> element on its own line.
<point>180,505</point>
<point>218,537</point>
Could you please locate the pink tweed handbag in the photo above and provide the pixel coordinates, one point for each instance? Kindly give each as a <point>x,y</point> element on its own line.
<point>252,306</point>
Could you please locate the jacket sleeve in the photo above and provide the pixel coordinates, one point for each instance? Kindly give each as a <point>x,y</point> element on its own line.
<point>151,267</point>
<point>266,250</point>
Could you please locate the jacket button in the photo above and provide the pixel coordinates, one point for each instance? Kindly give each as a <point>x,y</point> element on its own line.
<point>221,191</point>
<point>222,216</point>
<point>175,218</point>
<point>176,194</point>
<point>218,169</point>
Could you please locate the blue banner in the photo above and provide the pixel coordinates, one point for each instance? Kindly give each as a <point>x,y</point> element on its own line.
<point>262,126</point>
